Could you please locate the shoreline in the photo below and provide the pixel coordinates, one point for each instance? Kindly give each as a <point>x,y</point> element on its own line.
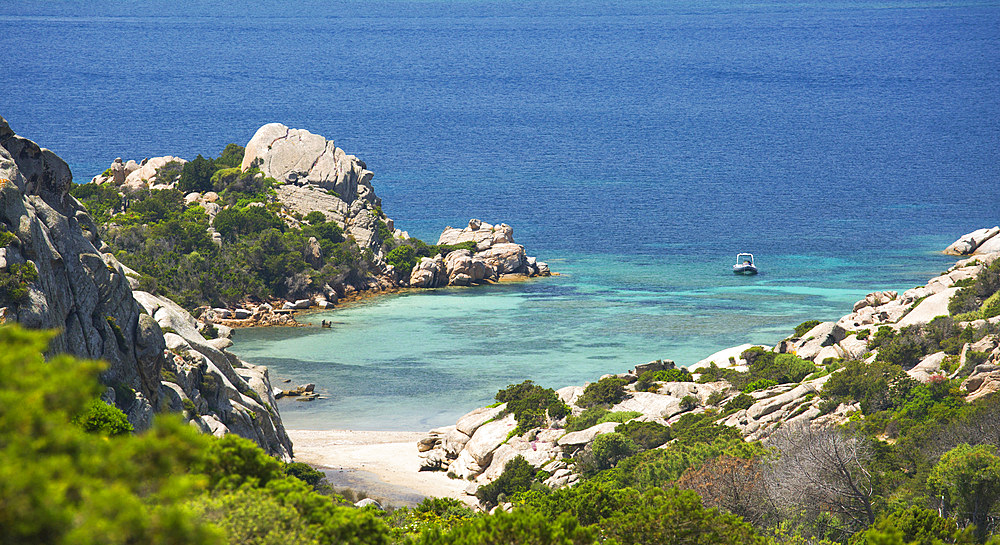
<point>383,464</point>
<point>364,295</point>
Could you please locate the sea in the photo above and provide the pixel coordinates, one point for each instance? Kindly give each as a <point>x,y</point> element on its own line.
<point>634,146</point>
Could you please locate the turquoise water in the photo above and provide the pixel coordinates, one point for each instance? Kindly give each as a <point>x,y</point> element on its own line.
<point>420,360</point>
<point>637,147</point>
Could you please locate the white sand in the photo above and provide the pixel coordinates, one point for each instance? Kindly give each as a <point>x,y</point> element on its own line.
<point>390,456</point>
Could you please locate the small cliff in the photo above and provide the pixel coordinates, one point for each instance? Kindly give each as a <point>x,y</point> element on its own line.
<point>58,274</point>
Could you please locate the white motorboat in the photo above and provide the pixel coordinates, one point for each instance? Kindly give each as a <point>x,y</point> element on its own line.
<point>744,264</point>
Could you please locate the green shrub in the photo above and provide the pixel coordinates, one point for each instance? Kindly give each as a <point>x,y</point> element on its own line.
<point>869,384</point>
<point>196,175</point>
<point>607,391</point>
<point>645,434</point>
<point>973,297</point>
<point>517,476</point>
<point>863,334</point>
<point>6,237</point>
<point>610,448</point>
<point>618,416</point>
<point>104,419</point>
<point>232,156</point>
<point>740,402</point>
<point>692,428</point>
<point>119,336</point>
<point>689,402</point>
<point>760,384</point>
<point>315,217</point>
<point>232,222</point>
<point>804,327</point>
<point>589,417</point>
<point>304,473</point>
<point>14,282</point>
<point>678,374</point>
<point>558,410</point>
<point>715,398</point>
<point>780,368</point>
<point>403,258</point>
<point>529,403</point>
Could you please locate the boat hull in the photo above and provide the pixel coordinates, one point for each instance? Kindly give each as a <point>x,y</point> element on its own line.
<point>744,269</point>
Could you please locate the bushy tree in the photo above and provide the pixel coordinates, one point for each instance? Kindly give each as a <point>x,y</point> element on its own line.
<point>968,478</point>
<point>610,448</point>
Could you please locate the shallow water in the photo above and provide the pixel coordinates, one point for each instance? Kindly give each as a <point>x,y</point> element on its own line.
<point>419,360</point>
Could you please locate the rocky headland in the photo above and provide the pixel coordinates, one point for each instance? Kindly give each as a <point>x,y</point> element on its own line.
<point>943,332</point>
<point>306,182</point>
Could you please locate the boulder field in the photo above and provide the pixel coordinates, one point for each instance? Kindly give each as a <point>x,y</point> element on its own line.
<point>482,441</point>
<point>60,275</point>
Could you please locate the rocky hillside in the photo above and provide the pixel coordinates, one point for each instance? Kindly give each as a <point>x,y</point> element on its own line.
<point>57,273</point>
<point>941,340</point>
<point>291,221</point>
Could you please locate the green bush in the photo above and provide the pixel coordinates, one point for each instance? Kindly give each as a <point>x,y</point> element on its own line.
<point>715,398</point>
<point>760,384</point>
<point>315,217</point>
<point>558,410</point>
<point>232,222</point>
<point>740,402</point>
<point>646,435</point>
<point>607,391</point>
<point>678,374</point>
<point>804,327</point>
<point>610,448</point>
<point>14,282</point>
<point>517,476</point>
<point>403,258</point>
<point>588,418</point>
<point>689,403</point>
<point>973,297</point>
<point>304,473</point>
<point>196,175</point>
<point>529,403</point>
<point>869,384</point>
<point>104,419</point>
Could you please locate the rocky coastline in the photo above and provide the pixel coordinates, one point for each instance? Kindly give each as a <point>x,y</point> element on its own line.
<point>480,444</point>
<point>59,275</point>
<point>310,175</point>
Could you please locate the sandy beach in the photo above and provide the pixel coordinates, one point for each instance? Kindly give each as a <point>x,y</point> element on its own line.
<point>381,463</point>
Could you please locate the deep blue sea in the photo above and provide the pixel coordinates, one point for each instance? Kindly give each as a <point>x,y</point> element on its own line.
<point>635,146</point>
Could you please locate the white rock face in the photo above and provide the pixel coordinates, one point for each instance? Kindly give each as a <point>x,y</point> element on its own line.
<point>582,437</point>
<point>470,422</point>
<point>488,437</point>
<point>928,367</point>
<point>968,243</point>
<point>729,357</point>
<point>316,175</point>
<point>928,309</point>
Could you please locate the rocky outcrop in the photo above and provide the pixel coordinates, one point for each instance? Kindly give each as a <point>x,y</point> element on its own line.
<point>313,174</point>
<point>219,392</point>
<point>131,176</point>
<point>83,292</point>
<point>980,241</point>
<point>496,255</point>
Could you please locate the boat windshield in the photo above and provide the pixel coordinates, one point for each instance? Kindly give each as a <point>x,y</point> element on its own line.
<point>744,258</point>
